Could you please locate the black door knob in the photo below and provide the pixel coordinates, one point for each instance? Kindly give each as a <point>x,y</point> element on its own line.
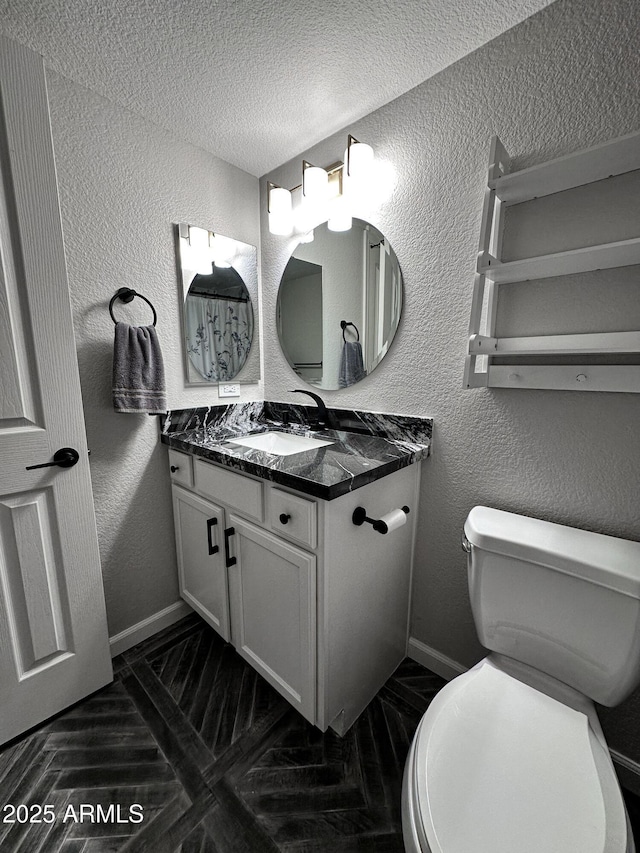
<point>66,457</point>
<point>175,468</point>
<point>284,518</point>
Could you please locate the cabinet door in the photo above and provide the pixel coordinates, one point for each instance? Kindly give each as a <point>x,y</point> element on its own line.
<point>201,568</point>
<point>273,601</point>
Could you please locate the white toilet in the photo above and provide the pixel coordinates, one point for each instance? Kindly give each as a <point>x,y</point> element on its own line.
<point>510,756</point>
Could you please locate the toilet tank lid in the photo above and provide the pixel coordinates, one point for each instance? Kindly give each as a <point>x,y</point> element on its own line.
<point>605,560</point>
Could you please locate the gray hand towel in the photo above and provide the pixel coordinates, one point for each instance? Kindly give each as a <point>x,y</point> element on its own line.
<point>351,364</point>
<point>138,370</point>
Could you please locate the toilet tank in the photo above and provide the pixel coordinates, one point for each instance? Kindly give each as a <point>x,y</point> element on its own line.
<point>562,600</point>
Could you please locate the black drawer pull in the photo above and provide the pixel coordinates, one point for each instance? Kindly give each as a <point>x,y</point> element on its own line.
<point>175,468</point>
<point>229,560</point>
<point>284,517</point>
<point>213,549</point>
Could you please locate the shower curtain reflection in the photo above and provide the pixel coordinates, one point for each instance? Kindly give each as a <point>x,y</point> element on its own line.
<point>218,334</point>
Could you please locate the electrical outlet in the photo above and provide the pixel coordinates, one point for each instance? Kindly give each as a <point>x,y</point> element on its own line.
<point>229,389</point>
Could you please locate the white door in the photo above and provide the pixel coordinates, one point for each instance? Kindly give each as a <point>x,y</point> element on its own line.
<point>272,590</point>
<point>201,569</point>
<point>54,645</point>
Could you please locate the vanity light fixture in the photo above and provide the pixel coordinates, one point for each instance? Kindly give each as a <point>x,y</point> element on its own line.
<point>323,191</point>
<point>315,184</point>
<point>358,160</point>
<point>202,249</point>
<point>357,179</point>
<point>199,250</point>
<point>198,238</point>
<point>315,195</point>
<point>280,209</point>
<point>223,250</point>
<point>340,219</point>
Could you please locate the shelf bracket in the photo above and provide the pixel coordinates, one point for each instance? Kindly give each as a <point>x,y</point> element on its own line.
<point>482,345</point>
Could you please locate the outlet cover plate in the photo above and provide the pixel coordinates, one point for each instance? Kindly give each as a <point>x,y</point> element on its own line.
<point>229,389</point>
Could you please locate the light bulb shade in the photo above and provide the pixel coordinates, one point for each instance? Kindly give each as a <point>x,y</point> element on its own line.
<point>341,222</point>
<point>223,250</point>
<point>315,196</point>
<point>359,160</point>
<point>199,252</point>
<point>280,211</point>
<point>198,238</point>
<point>340,216</point>
<point>315,185</point>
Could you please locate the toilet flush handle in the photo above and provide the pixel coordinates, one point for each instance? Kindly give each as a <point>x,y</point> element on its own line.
<point>466,545</point>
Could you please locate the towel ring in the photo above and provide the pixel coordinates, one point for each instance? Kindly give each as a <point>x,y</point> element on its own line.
<point>343,326</point>
<point>126,294</point>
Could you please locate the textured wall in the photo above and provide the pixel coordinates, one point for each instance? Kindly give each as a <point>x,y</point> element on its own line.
<point>122,183</point>
<point>254,80</point>
<point>563,80</point>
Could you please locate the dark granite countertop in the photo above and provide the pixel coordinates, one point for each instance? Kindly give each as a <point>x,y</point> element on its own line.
<point>352,459</point>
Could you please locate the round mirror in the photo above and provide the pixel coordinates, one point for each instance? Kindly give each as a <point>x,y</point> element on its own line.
<point>339,305</point>
<point>219,285</point>
<point>218,319</point>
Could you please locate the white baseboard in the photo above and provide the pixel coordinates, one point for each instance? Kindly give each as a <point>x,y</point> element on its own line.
<point>434,660</point>
<point>148,627</point>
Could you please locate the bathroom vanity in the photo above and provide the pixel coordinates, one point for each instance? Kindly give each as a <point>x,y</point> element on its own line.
<point>269,555</point>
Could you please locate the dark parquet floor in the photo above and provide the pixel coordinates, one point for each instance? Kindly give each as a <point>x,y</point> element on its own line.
<point>217,760</point>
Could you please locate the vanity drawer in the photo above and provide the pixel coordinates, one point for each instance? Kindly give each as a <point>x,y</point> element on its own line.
<point>233,490</point>
<point>181,468</point>
<point>293,517</point>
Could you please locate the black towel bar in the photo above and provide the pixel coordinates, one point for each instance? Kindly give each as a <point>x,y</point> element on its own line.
<point>126,294</point>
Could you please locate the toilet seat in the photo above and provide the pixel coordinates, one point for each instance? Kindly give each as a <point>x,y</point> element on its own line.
<point>499,767</point>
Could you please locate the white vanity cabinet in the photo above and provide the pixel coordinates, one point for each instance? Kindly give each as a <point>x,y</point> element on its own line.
<point>316,604</point>
<point>201,568</point>
<point>272,591</point>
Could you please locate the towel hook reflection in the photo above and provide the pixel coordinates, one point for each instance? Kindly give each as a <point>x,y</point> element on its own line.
<point>126,294</point>
<point>343,326</point>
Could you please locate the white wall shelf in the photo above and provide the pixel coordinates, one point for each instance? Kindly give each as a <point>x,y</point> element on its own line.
<point>504,189</point>
<point>621,254</point>
<point>574,170</point>
<point>595,344</point>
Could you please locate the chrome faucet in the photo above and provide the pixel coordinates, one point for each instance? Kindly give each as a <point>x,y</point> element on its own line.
<point>324,418</point>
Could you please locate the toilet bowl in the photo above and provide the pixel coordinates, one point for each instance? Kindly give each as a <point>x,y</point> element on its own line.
<point>509,757</point>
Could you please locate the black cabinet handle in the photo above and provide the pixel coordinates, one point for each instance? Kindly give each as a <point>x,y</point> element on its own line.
<point>213,549</point>
<point>284,518</point>
<point>229,560</point>
<point>66,457</point>
<point>175,468</point>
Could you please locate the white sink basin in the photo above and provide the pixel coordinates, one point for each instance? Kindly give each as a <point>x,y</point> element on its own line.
<point>280,443</point>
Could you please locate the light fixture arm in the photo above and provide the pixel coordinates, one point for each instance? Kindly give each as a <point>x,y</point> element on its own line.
<point>351,140</point>
<point>305,165</point>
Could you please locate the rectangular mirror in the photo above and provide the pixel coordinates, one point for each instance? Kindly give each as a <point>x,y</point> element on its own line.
<point>219,306</point>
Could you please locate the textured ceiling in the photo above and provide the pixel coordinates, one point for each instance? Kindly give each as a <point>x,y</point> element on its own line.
<point>255,81</point>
